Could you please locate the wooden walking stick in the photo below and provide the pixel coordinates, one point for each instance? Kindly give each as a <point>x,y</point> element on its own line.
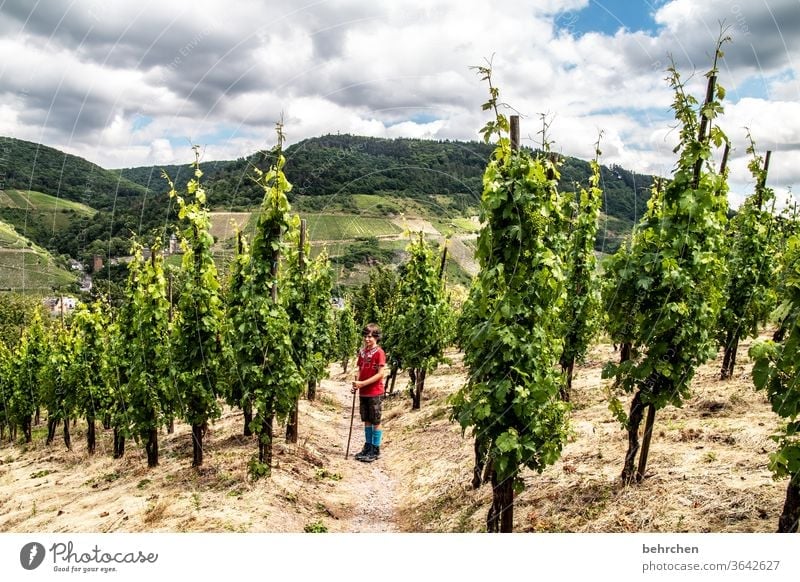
<point>352,414</point>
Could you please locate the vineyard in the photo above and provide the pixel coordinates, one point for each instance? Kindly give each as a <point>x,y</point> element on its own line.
<point>656,391</point>
<point>717,443</point>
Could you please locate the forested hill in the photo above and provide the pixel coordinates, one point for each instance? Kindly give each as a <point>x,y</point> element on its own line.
<point>324,172</point>
<point>31,166</point>
<point>339,165</point>
<point>124,207</point>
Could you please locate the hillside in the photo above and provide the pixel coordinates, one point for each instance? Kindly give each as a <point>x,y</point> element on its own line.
<point>707,471</point>
<point>349,187</point>
<point>41,217</point>
<point>32,166</point>
<point>437,179</point>
<point>25,266</point>
<point>124,207</point>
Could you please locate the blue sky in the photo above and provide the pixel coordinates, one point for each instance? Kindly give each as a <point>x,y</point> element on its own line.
<point>607,17</point>
<point>133,83</point>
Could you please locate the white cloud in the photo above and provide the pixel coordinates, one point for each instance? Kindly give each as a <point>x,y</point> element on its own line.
<point>222,74</point>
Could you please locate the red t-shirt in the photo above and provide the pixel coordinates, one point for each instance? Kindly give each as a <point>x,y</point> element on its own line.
<point>369,362</point>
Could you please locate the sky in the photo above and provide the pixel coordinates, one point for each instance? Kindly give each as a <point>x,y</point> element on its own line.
<point>137,83</point>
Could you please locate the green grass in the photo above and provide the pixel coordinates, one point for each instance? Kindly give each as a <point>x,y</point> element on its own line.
<point>33,200</point>
<point>31,270</point>
<point>10,238</point>
<point>338,227</point>
<point>456,226</point>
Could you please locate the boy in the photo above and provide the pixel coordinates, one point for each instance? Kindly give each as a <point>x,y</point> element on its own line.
<point>369,383</point>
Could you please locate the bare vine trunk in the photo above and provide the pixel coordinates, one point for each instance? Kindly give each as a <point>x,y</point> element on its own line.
<point>648,435</point>
<point>501,513</point>
<point>27,429</point>
<point>791,508</point>
<point>67,436</point>
<point>729,359</point>
<point>566,390</point>
<point>119,443</point>
<point>151,447</point>
<point>197,445</point>
<point>311,392</point>
<point>393,376</point>
<point>625,352</point>
<point>419,386</point>
<point>482,470</point>
<point>91,433</point>
<point>247,409</point>
<point>634,421</point>
<point>265,441</point>
<point>52,425</point>
<point>291,423</point>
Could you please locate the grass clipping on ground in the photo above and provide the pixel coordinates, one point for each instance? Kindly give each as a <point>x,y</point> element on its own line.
<point>707,470</point>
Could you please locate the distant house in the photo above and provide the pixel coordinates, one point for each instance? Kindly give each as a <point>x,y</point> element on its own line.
<point>57,305</point>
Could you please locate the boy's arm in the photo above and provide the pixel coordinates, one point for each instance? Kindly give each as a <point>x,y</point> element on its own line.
<point>377,376</point>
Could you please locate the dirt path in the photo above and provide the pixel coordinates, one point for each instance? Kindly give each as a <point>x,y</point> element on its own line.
<point>369,488</point>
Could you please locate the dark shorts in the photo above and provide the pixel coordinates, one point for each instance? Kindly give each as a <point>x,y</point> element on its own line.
<point>370,408</point>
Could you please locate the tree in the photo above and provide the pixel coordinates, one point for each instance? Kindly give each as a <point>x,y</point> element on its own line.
<point>776,370</point>
<point>583,296</point>
<point>419,326</point>
<point>679,273</point>
<point>197,336</point>
<point>514,325</point>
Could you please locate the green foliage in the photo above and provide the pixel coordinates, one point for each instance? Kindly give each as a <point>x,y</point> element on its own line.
<point>776,370</point>
<point>346,338</point>
<point>262,344</point>
<point>749,296</point>
<point>315,527</point>
<point>514,312</point>
<point>256,469</point>
<point>583,297</point>
<point>374,301</point>
<point>16,313</point>
<point>58,392</point>
<point>6,385</point>
<point>363,251</point>
<point>124,207</point>
<point>28,367</point>
<point>418,330</point>
<point>148,395</point>
<point>91,371</point>
<point>669,281</point>
<point>235,347</point>
<point>197,335</point>
<point>307,298</point>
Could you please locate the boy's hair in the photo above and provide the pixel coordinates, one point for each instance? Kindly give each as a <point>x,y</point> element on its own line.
<point>372,329</point>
